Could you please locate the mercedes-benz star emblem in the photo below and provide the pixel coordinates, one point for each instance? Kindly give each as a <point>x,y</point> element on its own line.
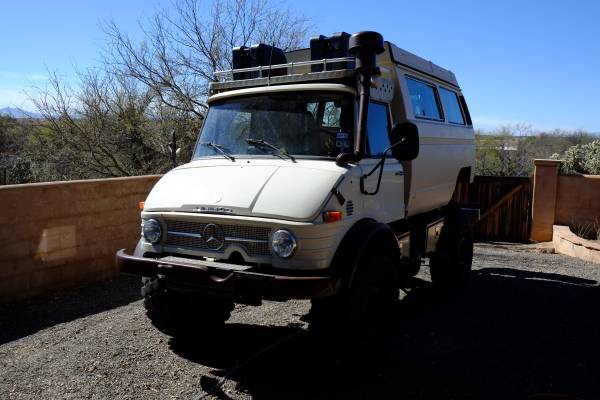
<point>213,236</point>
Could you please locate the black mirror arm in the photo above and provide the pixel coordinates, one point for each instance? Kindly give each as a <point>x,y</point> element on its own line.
<point>379,165</point>
<point>173,147</point>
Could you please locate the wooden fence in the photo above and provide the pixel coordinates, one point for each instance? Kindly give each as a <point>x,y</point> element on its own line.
<point>505,204</point>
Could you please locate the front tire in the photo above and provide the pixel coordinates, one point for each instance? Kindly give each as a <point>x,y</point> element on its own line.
<point>368,304</point>
<point>180,315</point>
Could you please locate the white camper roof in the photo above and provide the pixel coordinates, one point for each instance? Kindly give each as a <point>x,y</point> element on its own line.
<point>299,67</point>
<point>410,60</point>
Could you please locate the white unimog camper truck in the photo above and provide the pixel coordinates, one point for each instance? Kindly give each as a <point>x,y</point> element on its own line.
<point>324,173</point>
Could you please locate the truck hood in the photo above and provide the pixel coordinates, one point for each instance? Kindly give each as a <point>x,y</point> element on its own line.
<point>284,191</point>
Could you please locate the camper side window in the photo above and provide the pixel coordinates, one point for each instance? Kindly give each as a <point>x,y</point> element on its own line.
<point>424,99</point>
<point>451,107</point>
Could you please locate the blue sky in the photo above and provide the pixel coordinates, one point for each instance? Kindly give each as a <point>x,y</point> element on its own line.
<point>533,62</point>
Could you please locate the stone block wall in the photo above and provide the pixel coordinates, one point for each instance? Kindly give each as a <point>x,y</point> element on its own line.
<point>63,234</point>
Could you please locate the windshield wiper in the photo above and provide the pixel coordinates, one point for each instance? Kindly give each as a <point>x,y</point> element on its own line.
<point>218,148</point>
<point>263,143</point>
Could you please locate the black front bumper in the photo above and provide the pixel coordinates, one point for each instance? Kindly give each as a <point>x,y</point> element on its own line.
<point>228,280</point>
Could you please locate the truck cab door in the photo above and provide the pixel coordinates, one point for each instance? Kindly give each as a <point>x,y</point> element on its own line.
<point>387,205</point>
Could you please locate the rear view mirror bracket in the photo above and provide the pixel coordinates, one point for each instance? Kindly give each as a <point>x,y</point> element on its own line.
<point>379,165</point>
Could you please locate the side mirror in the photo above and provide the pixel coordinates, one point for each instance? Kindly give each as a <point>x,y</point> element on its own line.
<point>405,141</point>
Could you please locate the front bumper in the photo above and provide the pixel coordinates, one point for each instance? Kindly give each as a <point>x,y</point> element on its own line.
<point>227,280</point>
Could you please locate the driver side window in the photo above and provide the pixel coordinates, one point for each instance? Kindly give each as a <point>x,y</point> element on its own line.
<point>327,128</point>
<point>378,126</point>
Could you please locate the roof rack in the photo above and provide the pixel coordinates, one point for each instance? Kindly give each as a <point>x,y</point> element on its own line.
<point>227,75</point>
<point>298,71</point>
<point>217,87</point>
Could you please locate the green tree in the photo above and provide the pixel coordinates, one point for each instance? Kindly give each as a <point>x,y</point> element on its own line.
<point>15,166</point>
<point>117,119</point>
<point>185,45</point>
<point>108,126</point>
<point>502,153</point>
<point>510,150</point>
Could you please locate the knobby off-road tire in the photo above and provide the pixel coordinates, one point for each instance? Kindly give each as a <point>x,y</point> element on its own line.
<point>450,266</point>
<point>367,305</point>
<point>183,316</point>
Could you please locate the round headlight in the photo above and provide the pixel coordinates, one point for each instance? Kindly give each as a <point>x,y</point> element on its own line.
<point>283,243</point>
<point>152,230</point>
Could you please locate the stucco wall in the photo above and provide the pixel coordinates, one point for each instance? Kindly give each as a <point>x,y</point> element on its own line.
<point>63,234</point>
<point>544,199</point>
<point>577,199</point>
<point>562,199</point>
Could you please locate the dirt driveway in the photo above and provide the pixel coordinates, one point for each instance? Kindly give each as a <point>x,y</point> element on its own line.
<point>529,325</point>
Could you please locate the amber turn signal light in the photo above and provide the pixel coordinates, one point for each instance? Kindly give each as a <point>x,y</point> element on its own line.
<point>141,205</point>
<point>332,216</point>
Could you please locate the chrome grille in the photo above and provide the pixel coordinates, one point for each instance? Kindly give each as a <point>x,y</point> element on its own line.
<point>254,239</point>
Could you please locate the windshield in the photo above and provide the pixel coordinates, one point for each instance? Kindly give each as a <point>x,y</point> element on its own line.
<point>290,123</point>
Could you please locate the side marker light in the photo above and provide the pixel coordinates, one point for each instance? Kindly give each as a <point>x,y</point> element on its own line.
<point>332,216</point>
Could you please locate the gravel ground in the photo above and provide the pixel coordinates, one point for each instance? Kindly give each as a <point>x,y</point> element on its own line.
<point>528,326</point>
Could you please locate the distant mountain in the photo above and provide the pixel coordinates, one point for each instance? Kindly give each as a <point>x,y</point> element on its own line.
<point>19,113</point>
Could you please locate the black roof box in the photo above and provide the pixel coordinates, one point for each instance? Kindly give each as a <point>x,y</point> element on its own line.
<point>335,46</point>
<point>258,55</point>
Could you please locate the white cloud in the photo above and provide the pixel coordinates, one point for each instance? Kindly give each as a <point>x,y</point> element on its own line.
<point>487,123</point>
<point>15,86</point>
<point>490,123</point>
<point>15,98</point>
<point>18,76</point>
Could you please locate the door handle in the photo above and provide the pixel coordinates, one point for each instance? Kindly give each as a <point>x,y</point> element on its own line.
<point>399,173</point>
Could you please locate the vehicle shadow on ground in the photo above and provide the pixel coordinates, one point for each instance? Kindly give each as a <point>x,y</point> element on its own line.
<point>514,334</point>
<point>26,317</point>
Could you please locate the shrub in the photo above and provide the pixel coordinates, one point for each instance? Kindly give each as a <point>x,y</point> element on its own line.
<point>587,230</point>
<point>582,159</point>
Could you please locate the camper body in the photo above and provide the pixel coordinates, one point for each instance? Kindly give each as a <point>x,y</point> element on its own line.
<point>324,175</point>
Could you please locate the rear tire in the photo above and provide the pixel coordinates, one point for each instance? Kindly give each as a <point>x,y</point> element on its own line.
<point>450,266</point>
<point>368,304</point>
<point>183,316</point>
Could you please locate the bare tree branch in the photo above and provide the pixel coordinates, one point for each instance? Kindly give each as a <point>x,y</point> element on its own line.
<point>182,49</point>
